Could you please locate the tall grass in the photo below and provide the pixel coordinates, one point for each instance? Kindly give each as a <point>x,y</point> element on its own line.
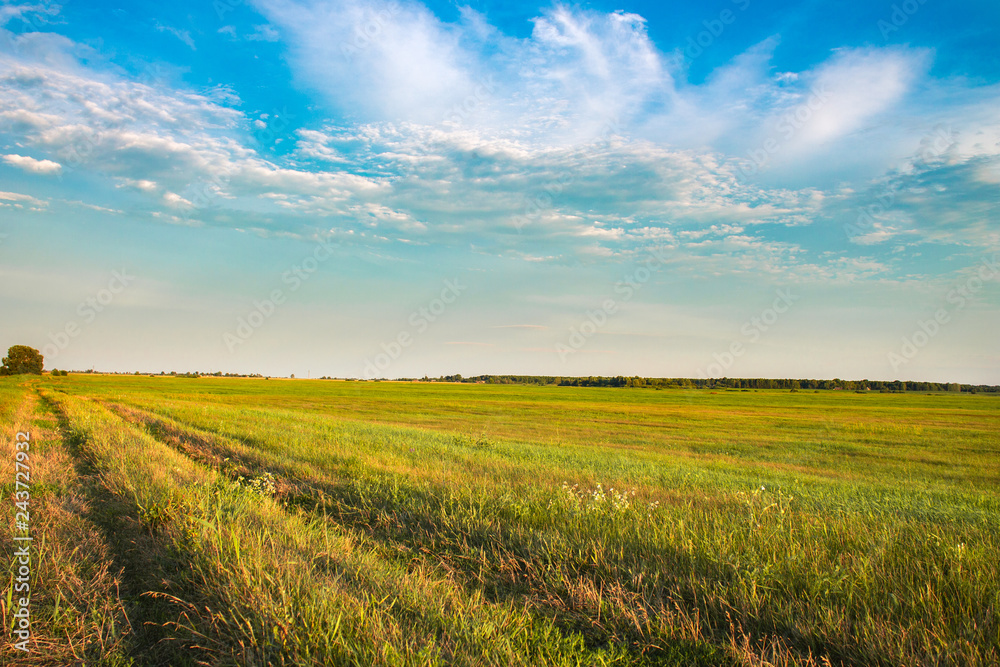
<point>246,581</point>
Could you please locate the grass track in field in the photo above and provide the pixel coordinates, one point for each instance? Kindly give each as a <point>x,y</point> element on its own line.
<point>76,612</point>
<point>255,583</point>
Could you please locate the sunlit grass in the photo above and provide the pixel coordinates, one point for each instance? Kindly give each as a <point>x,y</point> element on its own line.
<point>587,525</point>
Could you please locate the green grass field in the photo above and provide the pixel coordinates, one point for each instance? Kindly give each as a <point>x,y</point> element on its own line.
<point>253,522</point>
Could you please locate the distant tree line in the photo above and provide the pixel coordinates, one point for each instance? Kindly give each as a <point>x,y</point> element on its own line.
<point>719,383</point>
<point>22,359</point>
<point>187,374</point>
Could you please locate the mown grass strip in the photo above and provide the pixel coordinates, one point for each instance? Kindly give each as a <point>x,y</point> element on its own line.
<point>76,613</point>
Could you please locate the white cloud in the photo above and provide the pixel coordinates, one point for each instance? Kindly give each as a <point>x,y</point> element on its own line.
<point>32,165</point>
<point>584,74</point>
<point>383,59</point>
<point>578,74</point>
<point>853,88</point>
<point>141,184</point>
<point>263,33</point>
<point>183,35</point>
<point>600,68</point>
<point>18,200</point>
<point>32,14</point>
<point>94,207</point>
<point>534,169</point>
<point>174,200</point>
<point>153,140</point>
<point>879,234</point>
<point>15,196</point>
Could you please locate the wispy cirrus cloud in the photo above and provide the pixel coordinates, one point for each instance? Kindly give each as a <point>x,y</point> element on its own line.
<point>19,200</point>
<point>27,13</point>
<point>183,35</point>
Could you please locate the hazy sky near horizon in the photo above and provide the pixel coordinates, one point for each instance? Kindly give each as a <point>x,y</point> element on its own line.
<point>738,188</point>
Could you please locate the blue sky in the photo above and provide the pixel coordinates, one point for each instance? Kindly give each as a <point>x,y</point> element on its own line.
<point>740,188</point>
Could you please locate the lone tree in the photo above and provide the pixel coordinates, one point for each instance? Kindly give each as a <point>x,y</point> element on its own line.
<point>22,359</point>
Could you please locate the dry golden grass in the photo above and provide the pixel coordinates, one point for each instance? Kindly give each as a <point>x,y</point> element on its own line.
<point>77,614</point>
